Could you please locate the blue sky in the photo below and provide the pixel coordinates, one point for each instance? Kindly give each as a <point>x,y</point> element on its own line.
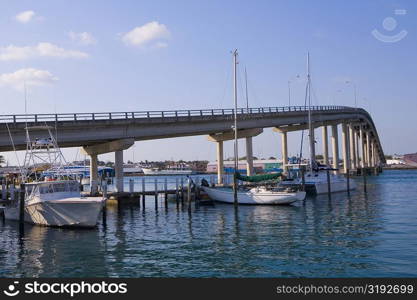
<point>87,56</point>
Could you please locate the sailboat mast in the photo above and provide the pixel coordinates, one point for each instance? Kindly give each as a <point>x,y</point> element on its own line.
<point>310,125</point>
<point>246,88</point>
<point>235,124</point>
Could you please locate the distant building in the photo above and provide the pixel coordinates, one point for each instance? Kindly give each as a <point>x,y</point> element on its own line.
<point>410,159</point>
<point>259,166</point>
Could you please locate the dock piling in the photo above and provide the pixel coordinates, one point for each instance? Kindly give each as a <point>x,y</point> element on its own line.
<point>143,193</point>
<point>131,187</point>
<point>156,193</point>
<point>348,181</point>
<point>364,180</point>
<point>176,192</point>
<point>189,194</point>
<point>329,191</point>
<point>22,207</point>
<point>166,192</point>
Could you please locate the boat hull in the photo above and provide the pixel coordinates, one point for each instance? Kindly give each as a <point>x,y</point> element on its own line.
<point>318,185</point>
<point>60,213</point>
<point>273,198</point>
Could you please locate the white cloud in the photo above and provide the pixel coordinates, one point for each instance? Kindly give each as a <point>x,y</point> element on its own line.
<point>25,16</point>
<point>147,34</point>
<point>13,52</point>
<point>29,76</point>
<point>83,38</point>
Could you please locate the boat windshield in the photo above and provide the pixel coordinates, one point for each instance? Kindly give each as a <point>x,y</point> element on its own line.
<point>43,188</point>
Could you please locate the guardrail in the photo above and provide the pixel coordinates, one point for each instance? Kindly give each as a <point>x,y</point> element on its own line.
<point>36,118</point>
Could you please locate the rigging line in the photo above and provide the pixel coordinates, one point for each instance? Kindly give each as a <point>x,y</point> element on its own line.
<point>14,149</point>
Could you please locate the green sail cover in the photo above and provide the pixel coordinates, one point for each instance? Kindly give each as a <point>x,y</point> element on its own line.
<point>258,178</point>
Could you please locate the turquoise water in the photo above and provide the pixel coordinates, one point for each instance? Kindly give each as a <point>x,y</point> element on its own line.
<point>371,235</point>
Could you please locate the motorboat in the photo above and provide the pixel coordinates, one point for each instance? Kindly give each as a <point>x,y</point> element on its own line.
<point>54,199</point>
<point>56,203</point>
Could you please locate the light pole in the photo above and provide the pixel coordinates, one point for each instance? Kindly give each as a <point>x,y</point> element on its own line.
<point>354,91</point>
<point>289,88</point>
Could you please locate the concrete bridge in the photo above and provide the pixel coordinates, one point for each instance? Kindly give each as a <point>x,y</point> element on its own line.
<point>100,133</point>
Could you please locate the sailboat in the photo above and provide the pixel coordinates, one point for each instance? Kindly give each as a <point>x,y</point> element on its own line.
<point>250,195</point>
<point>52,200</point>
<point>316,181</point>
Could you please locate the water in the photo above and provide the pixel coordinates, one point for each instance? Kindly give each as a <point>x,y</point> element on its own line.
<point>370,236</point>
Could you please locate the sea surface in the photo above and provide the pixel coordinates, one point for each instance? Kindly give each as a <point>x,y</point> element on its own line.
<point>361,235</point>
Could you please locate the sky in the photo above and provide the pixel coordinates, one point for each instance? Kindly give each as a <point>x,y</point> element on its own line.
<point>102,56</point>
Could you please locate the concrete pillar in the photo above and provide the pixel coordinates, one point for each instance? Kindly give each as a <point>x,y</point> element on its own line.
<point>220,163</point>
<point>93,174</point>
<point>335,147</point>
<point>368,149</point>
<point>352,152</point>
<point>362,138</point>
<point>325,146</point>
<point>118,165</point>
<point>249,156</point>
<point>345,147</point>
<point>373,160</point>
<point>357,149</point>
<point>284,150</point>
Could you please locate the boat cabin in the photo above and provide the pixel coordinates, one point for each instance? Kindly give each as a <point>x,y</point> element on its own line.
<point>52,190</point>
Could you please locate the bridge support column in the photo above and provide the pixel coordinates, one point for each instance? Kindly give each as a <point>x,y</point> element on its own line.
<point>335,147</point>
<point>249,156</point>
<point>325,146</point>
<point>284,150</point>
<point>345,147</point>
<point>362,138</point>
<point>373,159</point>
<point>93,174</point>
<point>220,163</point>
<point>357,149</point>
<point>368,149</point>
<point>118,166</point>
<point>352,152</point>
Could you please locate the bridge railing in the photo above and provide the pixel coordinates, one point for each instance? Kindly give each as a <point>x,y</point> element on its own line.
<point>38,118</point>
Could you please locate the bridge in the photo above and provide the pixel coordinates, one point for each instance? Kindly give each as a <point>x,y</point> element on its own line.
<point>100,133</point>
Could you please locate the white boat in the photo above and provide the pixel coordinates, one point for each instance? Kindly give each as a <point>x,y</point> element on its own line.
<point>316,183</point>
<point>57,203</point>
<point>168,171</point>
<point>257,195</point>
<point>53,200</point>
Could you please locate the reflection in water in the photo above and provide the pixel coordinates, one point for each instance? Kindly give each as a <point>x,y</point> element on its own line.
<point>356,235</point>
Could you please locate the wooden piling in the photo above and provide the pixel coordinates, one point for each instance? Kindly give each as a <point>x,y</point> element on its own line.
<point>176,192</point>
<point>131,187</point>
<point>143,193</point>
<point>22,205</point>
<point>189,194</point>
<point>364,181</point>
<point>3,190</point>
<point>104,214</point>
<point>348,181</point>
<point>182,191</point>
<point>329,191</point>
<point>156,193</point>
<point>166,192</point>
<point>303,179</point>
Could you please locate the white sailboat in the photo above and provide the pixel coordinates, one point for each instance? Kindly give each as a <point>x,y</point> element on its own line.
<point>316,177</point>
<point>257,195</point>
<point>52,200</point>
